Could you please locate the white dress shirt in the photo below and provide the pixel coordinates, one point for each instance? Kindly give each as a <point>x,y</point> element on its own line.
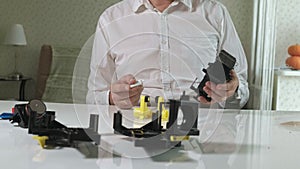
<point>168,49</point>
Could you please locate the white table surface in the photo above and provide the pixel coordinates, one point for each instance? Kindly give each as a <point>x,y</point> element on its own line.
<point>231,139</point>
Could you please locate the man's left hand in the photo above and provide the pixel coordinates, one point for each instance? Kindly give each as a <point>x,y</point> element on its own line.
<point>220,92</point>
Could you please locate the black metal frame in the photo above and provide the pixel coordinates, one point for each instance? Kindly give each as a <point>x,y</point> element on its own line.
<point>43,123</point>
<point>217,72</point>
<point>153,132</point>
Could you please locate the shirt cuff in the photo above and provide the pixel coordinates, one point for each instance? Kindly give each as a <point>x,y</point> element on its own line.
<point>107,97</point>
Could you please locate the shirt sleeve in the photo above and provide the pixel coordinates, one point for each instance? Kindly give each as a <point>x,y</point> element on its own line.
<point>230,42</point>
<point>102,68</point>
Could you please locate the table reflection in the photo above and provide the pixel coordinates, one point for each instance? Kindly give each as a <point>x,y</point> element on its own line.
<point>229,139</point>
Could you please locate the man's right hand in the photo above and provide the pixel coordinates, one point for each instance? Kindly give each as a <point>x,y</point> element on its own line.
<point>122,95</point>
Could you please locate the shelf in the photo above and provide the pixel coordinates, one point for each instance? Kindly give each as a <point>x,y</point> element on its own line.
<point>287,72</point>
<point>286,92</point>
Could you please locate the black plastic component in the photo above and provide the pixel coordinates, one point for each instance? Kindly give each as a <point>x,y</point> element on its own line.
<point>153,133</point>
<point>217,72</point>
<point>20,115</point>
<point>41,122</point>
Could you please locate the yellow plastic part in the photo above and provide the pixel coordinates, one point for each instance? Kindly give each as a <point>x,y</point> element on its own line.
<point>179,138</point>
<point>41,140</point>
<point>143,111</point>
<point>164,112</point>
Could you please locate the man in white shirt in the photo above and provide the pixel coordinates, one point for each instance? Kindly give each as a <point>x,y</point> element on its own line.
<point>166,43</point>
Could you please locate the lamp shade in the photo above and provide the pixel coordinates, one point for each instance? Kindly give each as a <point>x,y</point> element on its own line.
<point>15,36</point>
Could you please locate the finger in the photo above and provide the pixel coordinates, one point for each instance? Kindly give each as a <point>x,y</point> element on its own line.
<point>208,88</point>
<point>135,100</point>
<point>119,88</point>
<point>210,85</point>
<point>233,74</point>
<point>221,92</point>
<point>126,95</point>
<point>213,91</point>
<point>230,85</point>
<point>126,91</point>
<point>204,101</point>
<point>127,79</point>
<point>139,89</point>
<point>128,102</point>
<point>227,89</point>
<point>215,96</point>
<point>124,104</point>
<point>136,91</point>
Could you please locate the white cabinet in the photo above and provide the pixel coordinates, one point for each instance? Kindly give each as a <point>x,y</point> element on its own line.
<point>286,94</point>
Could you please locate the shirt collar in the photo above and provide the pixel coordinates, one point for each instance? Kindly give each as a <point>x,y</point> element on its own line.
<point>187,3</point>
<point>136,4</point>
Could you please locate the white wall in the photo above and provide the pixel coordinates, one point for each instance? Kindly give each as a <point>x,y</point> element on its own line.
<point>288,28</point>
<point>58,22</point>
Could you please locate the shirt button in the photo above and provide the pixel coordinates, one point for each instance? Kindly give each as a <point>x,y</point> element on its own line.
<point>164,42</point>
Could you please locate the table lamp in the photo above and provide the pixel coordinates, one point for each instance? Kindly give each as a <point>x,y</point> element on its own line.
<point>16,37</point>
